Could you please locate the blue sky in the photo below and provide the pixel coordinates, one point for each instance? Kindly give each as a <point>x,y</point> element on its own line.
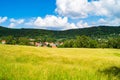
<point>26,8</point>
<point>59,14</point>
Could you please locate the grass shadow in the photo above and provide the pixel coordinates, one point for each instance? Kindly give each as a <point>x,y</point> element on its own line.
<point>117,54</point>
<point>111,72</point>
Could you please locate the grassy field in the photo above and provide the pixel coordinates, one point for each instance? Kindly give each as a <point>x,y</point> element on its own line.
<point>34,63</point>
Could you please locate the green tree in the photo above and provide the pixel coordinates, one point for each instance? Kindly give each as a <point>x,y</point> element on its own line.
<point>23,41</point>
<point>83,41</point>
<point>113,43</point>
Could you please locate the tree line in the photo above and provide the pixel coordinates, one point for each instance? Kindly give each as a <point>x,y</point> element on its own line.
<point>87,42</point>
<point>24,40</point>
<point>78,42</point>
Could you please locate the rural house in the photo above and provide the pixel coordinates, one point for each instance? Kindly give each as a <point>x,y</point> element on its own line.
<point>3,41</point>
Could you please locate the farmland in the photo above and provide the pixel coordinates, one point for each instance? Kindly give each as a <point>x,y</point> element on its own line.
<point>37,63</point>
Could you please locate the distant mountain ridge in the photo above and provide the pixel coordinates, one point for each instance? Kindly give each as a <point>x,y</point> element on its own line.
<point>100,31</point>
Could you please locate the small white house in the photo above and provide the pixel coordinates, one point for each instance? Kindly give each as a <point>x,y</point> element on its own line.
<point>3,41</point>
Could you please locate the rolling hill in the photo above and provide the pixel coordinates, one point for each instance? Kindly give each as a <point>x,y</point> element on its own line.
<point>101,31</point>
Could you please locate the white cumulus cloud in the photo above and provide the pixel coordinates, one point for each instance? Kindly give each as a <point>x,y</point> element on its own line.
<point>3,19</point>
<point>51,21</point>
<point>18,21</point>
<point>54,22</point>
<point>107,22</point>
<point>15,22</point>
<point>82,24</point>
<point>70,8</point>
<point>12,25</point>
<point>83,8</point>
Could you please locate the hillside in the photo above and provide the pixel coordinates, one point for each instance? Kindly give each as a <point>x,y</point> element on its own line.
<point>34,63</point>
<point>101,31</point>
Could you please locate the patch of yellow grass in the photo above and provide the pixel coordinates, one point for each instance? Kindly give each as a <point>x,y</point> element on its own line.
<point>36,63</point>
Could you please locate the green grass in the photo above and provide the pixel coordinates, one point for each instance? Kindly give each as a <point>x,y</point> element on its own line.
<point>34,63</point>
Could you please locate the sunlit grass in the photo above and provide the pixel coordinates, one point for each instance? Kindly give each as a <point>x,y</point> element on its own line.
<point>34,63</point>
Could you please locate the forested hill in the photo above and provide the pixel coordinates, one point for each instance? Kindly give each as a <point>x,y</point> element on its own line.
<point>101,31</point>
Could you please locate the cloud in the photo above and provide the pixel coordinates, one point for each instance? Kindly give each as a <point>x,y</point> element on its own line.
<point>54,22</point>
<point>73,9</point>
<point>109,8</point>
<point>107,22</point>
<point>3,19</point>
<point>12,25</point>
<point>102,21</point>
<point>51,21</point>
<point>18,21</point>
<point>15,22</point>
<point>84,8</point>
<point>115,22</point>
<point>82,24</point>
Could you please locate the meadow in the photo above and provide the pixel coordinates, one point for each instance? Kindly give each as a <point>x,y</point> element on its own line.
<point>36,63</point>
